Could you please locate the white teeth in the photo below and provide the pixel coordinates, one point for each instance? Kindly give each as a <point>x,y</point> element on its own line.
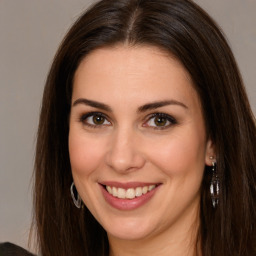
<point>144,190</point>
<point>129,193</point>
<point>151,187</point>
<point>114,191</point>
<point>138,191</point>
<point>121,193</point>
<point>109,189</point>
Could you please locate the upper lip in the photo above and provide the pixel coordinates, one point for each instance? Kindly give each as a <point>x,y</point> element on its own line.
<point>126,185</point>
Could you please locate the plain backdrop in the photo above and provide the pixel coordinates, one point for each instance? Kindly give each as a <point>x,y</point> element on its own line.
<point>30,32</point>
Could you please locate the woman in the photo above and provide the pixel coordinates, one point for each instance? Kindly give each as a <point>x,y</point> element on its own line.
<point>146,125</point>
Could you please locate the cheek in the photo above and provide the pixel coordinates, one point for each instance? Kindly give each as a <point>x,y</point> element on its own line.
<point>85,154</point>
<point>180,153</point>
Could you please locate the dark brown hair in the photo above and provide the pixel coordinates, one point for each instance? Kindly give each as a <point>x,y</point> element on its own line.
<point>184,30</point>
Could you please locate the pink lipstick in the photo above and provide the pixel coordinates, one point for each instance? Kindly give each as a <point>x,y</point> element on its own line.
<point>128,196</point>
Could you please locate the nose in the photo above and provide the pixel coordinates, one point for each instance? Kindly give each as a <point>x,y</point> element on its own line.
<point>124,152</point>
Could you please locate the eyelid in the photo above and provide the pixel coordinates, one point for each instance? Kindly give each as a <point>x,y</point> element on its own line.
<point>172,121</point>
<point>83,117</point>
<point>169,118</point>
<point>91,113</point>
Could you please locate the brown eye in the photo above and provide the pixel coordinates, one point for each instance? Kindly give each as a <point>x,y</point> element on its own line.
<point>98,120</point>
<point>95,120</point>
<point>160,121</point>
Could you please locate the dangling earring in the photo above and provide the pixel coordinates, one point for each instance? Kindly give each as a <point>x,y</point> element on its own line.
<point>214,186</point>
<point>77,201</point>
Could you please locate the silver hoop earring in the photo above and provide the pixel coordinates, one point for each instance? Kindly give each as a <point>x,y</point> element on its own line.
<point>77,200</point>
<point>214,186</point>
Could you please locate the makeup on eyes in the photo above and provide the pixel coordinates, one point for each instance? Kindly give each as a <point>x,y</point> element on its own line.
<point>157,121</point>
<point>94,119</point>
<point>160,120</point>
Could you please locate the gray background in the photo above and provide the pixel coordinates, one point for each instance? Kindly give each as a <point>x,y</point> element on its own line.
<point>30,32</point>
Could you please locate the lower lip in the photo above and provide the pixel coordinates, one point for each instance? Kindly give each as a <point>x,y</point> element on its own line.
<point>128,204</point>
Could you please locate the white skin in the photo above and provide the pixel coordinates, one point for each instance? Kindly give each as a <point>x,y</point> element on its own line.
<point>125,144</point>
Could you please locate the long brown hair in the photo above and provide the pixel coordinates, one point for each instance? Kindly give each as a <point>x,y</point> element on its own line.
<point>183,29</point>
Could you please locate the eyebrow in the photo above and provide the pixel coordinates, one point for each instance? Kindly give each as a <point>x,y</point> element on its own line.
<point>158,104</point>
<point>143,108</point>
<point>93,104</point>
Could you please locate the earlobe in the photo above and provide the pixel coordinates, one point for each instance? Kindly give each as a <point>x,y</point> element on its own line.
<point>210,153</point>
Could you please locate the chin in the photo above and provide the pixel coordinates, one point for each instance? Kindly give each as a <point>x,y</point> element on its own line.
<point>128,235</point>
<point>129,229</point>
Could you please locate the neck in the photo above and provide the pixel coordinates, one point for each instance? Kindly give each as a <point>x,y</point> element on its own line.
<point>179,240</point>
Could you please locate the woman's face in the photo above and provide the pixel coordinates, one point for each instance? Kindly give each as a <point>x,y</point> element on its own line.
<point>137,142</point>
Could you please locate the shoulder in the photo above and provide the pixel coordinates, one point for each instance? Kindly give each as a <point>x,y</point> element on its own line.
<point>9,249</point>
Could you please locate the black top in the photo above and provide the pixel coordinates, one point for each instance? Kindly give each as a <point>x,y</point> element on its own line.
<point>9,249</point>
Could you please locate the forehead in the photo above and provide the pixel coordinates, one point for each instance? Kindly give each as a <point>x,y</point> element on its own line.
<point>132,72</point>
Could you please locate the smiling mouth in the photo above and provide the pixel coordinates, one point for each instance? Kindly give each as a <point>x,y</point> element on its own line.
<point>129,193</point>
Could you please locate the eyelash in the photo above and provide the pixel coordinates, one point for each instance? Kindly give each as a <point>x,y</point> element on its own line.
<point>168,118</point>
<point>93,114</point>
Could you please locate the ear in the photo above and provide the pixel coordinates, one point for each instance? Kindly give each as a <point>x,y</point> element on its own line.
<point>210,153</point>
